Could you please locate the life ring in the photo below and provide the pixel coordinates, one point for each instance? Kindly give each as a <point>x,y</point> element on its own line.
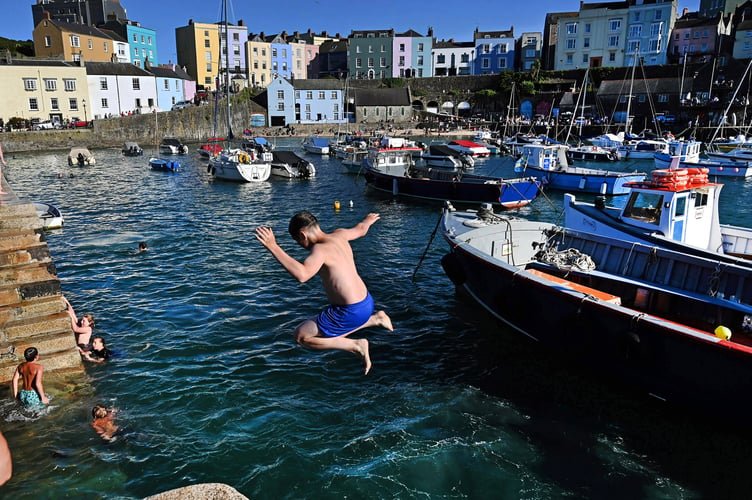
<point>243,158</point>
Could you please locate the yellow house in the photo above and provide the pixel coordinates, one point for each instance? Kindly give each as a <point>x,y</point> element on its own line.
<point>74,42</point>
<point>199,52</point>
<point>259,53</point>
<point>43,89</point>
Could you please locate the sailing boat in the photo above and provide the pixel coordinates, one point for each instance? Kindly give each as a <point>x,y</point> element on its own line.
<point>585,152</point>
<point>236,164</point>
<point>157,163</point>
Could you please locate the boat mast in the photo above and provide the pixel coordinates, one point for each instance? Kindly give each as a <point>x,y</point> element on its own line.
<point>628,121</point>
<point>731,102</point>
<point>577,105</point>
<point>681,86</point>
<point>227,69</point>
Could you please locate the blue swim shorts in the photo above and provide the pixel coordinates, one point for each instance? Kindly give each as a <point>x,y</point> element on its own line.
<point>339,320</point>
<point>29,398</point>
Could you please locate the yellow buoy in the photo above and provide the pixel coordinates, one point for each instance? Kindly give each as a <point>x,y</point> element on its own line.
<point>336,205</point>
<point>723,333</point>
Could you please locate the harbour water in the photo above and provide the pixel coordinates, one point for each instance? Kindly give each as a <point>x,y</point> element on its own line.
<point>210,386</point>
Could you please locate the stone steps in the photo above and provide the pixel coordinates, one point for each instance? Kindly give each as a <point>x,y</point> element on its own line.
<point>32,312</point>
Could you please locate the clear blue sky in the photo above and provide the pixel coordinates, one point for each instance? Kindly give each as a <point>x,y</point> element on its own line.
<point>449,18</point>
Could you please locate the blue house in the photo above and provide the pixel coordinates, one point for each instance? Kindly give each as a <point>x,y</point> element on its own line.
<point>281,55</point>
<point>142,41</point>
<point>170,87</point>
<point>494,51</point>
<point>305,101</point>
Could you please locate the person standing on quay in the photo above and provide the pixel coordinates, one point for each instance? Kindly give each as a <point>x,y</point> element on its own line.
<point>331,257</point>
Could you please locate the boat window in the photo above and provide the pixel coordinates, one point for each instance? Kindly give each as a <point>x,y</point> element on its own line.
<point>644,207</point>
<point>680,208</point>
<point>701,198</point>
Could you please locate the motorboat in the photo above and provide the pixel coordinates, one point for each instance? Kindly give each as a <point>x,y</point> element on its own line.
<point>441,155</point>
<point>80,157</point>
<point>592,153</point>
<point>172,146</point>
<point>288,164</point>
<point>132,149</point>
<point>469,148</point>
<point>549,162</point>
<point>316,145</point>
<point>671,324</point>
<point>212,147</point>
<point>395,172</point>
<point>686,154</point>
<point>676,209</point>
<point>164,164</point>
<point>50,216</point>
<point>353,159</point>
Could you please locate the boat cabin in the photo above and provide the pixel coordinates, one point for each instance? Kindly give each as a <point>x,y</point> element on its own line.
<point>546,156</point>
<point>680,204</point>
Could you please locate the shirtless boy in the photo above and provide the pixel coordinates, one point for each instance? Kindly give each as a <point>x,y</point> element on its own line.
<point>32,392</point>
<point>104,422</point>
<point>331,257</point>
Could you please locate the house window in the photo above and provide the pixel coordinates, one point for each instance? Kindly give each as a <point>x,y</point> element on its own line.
<point>309,94</point>
<point>297,95</point>
<point>91,44</point>
<point>633,46</point>
<point>502,63</point>
<point>382,61</point>
<point>70,84</point>
<point>357,49</point>
<point>585,58</point>
<point>136,84</point>
<point>585,44</point>
<point>106,47</point>
<point>441,58</point>
<point>308,108</point>
<point>658,14</point>
<point>334,95</point>
<point>322,94</point>
<point>103,83</point>
<point>503,48</point>
<point>73,104</point>
<point>587,27</point>
<point>655,45</point>
<point>614,24</point>
<point>401,60</point>
<point>571,43</point>
<point>613,41</point>
<point>611,56</point>
<point>485,48</point>
<point>308,116</point>
<point>208,67</point>
<point>370,62</point>
<point>54,104</point>
<point>75,41</point>
<point>570,60</point>
<point>50,84</point>
<point>280,106</point>
<point>280,94</point>
<point>336,116</point>
<point>655,29</point>
<point>47,41</point>
<point>105,104</point>
<point>420,47</point>
<point>30,83</point>
<point>135,38</point>
<point>33,104</point>
<point>662,97</point>
<point>402,47</point>
<point>167,84</point>
<point>420,61</point>
<point>635,31</point>
<point>485,62</point>
<point>571,28</point>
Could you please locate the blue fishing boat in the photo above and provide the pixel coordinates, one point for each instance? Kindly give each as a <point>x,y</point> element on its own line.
<point>549,163</point>
<point>394,171</point>
<point>676,209</point>
<point>164,164</point>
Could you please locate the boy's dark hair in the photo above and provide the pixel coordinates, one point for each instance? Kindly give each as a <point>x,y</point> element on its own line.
<point>104,344</point>
<point>300,221</point>
<point>30,353</point>
<point>98,411</point>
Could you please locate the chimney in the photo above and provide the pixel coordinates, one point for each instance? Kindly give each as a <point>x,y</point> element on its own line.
<point>240,22</point>
<point>310,32</point>
<point>685,11</point>
<point>190,22</point>
<point>263,37</point>
<point>296,34</point>
<point>46,15</point>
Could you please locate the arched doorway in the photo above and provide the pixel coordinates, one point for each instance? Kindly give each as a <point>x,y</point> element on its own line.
<point>417,105</point>
<point>463,108</point>
<point>526,109</point>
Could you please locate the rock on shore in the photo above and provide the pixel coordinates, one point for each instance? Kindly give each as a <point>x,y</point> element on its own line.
<point>206,491</point>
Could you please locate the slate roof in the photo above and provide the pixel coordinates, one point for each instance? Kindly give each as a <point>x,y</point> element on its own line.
<point>162,72</point>
<point>651,85</point>
<point>111,68</point>
<point>317,84</point>
<point>38,62</point>
<point>83,29</point>
<point>453,45</point>
<point>381,97</point>
<point>330,46</point>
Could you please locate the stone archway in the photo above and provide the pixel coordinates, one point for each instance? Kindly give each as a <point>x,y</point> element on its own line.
<point>432,107</point>
<point>417,105</point>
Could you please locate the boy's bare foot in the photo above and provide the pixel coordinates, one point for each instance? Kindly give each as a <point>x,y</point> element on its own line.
<point>362,351</point>
<point>382,319</point>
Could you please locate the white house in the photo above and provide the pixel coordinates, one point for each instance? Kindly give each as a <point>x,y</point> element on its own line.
<point>305,101</point>
<point>116,88</point>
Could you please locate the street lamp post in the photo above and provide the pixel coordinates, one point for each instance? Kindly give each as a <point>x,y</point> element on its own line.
<point>86,117</point>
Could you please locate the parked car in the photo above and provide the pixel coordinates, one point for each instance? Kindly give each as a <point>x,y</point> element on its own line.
<point>46,125</point>
<point>182,105</point>
<point>77,122</point>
